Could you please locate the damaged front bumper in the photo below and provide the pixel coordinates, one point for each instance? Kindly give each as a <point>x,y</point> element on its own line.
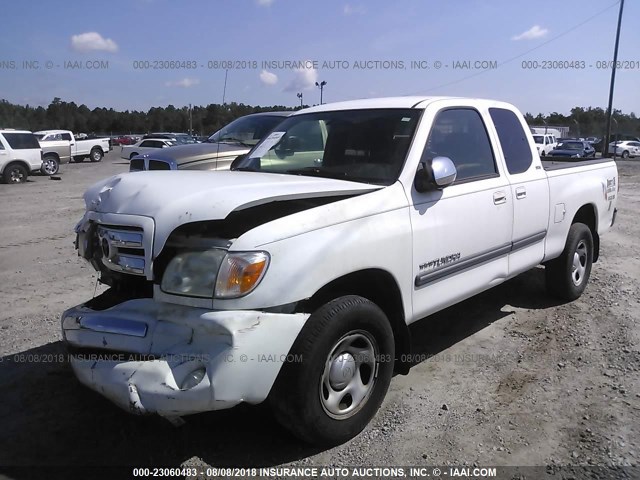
<point>153,357</point>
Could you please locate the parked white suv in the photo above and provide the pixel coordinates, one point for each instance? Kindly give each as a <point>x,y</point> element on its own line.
<point>20,155</point>
<point>544,144</point>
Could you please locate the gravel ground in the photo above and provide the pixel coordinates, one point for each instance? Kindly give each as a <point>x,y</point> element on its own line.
<point>510,377</point>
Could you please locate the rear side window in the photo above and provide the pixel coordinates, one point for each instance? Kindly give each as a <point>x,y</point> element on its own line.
<point>22,141</point>
<point>66,136</point>
<point>515,146</point>
<point>460,134</point>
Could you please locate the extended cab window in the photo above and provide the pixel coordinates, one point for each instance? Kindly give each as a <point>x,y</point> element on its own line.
<point>22,141</point>
<point>66,136</point>
<point>460,134</point>
<point>513,139</point>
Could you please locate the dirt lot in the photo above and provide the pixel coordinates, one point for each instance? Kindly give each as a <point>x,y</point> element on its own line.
<point>511,377</point>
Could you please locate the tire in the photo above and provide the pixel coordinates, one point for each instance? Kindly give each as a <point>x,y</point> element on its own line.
<point>543,154</point>
<point>132,155</point>
<point>96,155</point>
<point>567,276</point>
<point>78,159</point>
<point>15,173</point>
<point>50,165</point>
<point>313,397</point>
<point>625,154</point>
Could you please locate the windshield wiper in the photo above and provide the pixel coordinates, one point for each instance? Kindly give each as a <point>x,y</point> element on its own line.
<point>316,172</point>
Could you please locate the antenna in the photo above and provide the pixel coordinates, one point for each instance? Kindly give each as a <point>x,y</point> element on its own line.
<point>224,96</point>
<point>224,91</point>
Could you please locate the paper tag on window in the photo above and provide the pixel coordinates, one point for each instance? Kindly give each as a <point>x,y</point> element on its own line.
<point>267,143</point>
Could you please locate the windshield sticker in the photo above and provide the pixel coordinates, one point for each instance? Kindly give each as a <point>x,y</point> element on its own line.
<point>267,144</point>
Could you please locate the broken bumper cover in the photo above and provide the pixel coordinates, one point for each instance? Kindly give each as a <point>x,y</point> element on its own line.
<point>141,353</point>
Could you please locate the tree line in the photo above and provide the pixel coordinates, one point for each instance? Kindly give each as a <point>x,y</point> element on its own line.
<point>583,121</point>
<point>107,121</point>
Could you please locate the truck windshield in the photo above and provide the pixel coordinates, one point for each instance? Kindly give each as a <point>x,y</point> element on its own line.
<point>368,146</point>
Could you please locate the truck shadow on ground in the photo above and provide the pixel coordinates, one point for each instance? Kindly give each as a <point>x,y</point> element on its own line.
<point>48,418</point>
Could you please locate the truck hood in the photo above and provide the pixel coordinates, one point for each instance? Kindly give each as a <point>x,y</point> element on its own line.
<point>173,198</point>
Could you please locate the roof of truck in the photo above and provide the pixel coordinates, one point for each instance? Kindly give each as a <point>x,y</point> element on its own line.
<point>414,101</point>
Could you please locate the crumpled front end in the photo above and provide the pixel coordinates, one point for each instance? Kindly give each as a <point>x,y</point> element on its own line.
<point>153,357</point>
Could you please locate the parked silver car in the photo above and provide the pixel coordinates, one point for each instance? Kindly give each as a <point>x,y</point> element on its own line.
<point>218,151</point>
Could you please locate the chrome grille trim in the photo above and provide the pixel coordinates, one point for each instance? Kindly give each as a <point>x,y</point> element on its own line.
<point>113,239</point>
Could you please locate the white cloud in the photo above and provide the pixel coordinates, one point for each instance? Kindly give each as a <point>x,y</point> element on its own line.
<point>268,78</point>
<point>184,83</point>
<point>92,41</point>
<point>304,79</point>
<point>265,3</point>
<point>534,32</point>
<point>349,9</point>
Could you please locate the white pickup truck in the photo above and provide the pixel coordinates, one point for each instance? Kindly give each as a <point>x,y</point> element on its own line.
<point>92,148</point>
<point>293,277</point>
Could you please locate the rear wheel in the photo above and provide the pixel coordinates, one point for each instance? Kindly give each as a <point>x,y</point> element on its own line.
<point>96,155</point>
<point>50,165</point>
<point>15,173</point>
<point>625,154</point>
<point>347,352</point>
<point>567,276</point>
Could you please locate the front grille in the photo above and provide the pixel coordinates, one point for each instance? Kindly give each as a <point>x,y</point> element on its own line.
<point>122,248</point>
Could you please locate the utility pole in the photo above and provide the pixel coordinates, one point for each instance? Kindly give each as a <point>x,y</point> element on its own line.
<point>321,87</point>
<point>607,133</point>
<point>190,121</point>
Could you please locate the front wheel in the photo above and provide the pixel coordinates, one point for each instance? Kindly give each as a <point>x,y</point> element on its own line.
<point>346,353</point>
<point>15,173</point>
<point>625,154</point>
<point>96,155</point>
<point>50,165</point>
<point>567,276</point>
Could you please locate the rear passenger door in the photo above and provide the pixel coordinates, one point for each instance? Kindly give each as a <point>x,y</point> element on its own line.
<point>462,233</point>
<point>529,189</point>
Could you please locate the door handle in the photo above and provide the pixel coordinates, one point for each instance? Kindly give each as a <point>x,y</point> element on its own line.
<point>521,193</point>
<point>499,198</point>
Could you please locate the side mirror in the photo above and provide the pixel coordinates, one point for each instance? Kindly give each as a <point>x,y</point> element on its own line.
<point>436,175</point>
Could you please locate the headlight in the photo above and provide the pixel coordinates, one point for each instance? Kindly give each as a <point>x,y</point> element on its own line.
<point>240,273</point>
<point>193,273</point>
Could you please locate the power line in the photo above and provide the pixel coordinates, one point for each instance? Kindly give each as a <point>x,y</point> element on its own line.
<point>480,72</point>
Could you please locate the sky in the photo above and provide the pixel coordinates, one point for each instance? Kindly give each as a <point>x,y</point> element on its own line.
<point>136,54</point>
